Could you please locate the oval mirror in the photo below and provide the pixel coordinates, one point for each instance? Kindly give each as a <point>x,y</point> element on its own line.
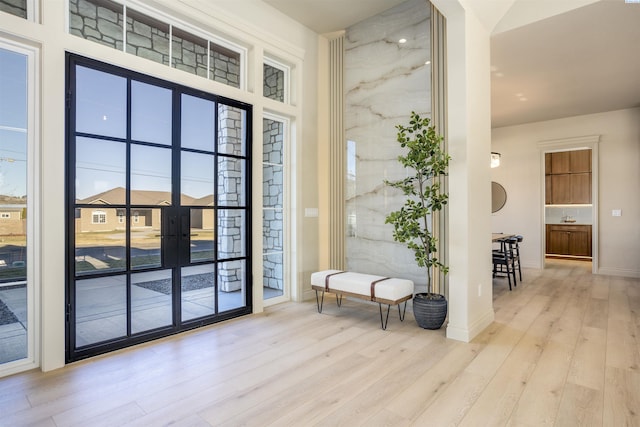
<point>498,197</point>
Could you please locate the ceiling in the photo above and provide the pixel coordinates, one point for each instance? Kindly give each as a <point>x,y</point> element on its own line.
<point>327,16</point>
<point>579,62</point>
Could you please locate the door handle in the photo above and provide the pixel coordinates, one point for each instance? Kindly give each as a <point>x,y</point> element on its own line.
<point>184,227</point>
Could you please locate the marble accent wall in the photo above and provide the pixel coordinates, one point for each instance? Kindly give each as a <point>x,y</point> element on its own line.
<point>384,81</point>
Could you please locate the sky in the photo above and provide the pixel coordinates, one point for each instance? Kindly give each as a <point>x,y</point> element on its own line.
<point>13,123</point>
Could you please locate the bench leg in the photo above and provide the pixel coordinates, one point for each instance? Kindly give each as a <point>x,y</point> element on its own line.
<point>384,323</point>
<point>339,300</point>
<point>320,302</point>
<point>403,312</point>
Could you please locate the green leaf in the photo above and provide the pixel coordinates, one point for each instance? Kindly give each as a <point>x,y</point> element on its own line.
<point>427,162</point>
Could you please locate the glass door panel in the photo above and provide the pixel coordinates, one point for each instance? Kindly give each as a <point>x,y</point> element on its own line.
<point>202,237</point>
<point>101,103</point>
<point>231,181</point>
<point>151,300</point>
<point>231,130</point>
<point>100,171</point>
<point>231,285</point>
<point>150,175</point>
<point>151,113</point>
<point>198,123</point>
<point>100,309</point>
<point>198,291</point>
<point>146,238</point>
<point>231,233</point>
<point>197,179</point>
<point>100,243</point>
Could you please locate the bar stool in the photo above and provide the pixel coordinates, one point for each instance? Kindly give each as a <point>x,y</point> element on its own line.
<point>514,241</point>
<point>504,262</point>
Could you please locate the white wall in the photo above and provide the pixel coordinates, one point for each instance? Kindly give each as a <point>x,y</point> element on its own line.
<point>520,172</point>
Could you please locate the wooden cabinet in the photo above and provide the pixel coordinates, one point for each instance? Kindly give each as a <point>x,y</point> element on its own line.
<point>580,161</point>
<point>570,240</point>
<point>568,188</point>
<point>560,162</point>
<point>548,190</point>
<point>568,177</point>
<point>580,188</point>
<point>576,161</point>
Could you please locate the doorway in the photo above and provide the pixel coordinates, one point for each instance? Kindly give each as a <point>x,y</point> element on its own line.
<point>158,224</point>
<point>569,214</point>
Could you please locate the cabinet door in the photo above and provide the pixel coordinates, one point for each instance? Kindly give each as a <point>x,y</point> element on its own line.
<point>547,164</point>
<point>558,242</point>
<point>579,243</point>
<point>580,188</point>
<point>561,162</point>
<point>548,190</point>
<point>561,192</point>
<point>580,161</point>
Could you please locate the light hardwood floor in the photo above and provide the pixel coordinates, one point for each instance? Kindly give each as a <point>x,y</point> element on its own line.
<point>563,350</point>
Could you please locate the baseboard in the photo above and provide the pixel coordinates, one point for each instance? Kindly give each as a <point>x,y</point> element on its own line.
<point>466,335</point>
<point>622,272</point>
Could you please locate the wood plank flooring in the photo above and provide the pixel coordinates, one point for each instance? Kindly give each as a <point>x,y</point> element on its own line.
<point>564,350</point>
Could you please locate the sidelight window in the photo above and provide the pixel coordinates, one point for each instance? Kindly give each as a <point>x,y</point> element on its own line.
<point>18,287</point>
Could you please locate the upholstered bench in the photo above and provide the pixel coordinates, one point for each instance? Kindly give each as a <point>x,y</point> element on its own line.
<point>383,290</point>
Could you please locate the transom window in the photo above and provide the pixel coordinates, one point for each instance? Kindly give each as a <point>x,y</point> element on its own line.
<point>151,35</point>
<point>275,80</point>
<point>14,7</point>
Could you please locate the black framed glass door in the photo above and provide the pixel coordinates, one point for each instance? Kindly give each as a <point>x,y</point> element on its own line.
<point>158,216</point>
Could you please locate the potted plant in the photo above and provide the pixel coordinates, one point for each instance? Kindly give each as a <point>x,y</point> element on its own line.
<point>426,162</point>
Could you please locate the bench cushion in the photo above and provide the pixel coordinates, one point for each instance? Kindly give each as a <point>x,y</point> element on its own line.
<point>358,283</point>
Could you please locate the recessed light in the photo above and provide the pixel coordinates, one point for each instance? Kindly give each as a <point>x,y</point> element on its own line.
<point>523,98</point>
<point>519,95</point>
<point>401,41</point>
<point>427,63</point>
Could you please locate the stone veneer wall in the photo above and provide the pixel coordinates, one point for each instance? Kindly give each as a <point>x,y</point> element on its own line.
<point>102,21</point>
<point>384,81</point>
<point>14,7</point>
<point>272,213</point>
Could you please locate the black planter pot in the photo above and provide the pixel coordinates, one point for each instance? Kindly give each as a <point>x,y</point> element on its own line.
<point>430,310</point>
